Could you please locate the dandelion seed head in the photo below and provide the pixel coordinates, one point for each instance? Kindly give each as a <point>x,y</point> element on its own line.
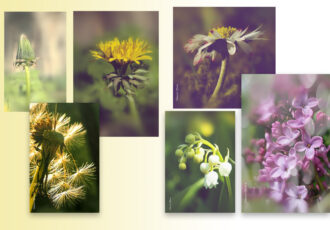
<point>74,135</point>
<point>68,197</point>
<point>83,175</point>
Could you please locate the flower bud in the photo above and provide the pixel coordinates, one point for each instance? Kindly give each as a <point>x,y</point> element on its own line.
<point>190,138</point>
<point>190,153</point>
<point>214,159</point>
<point>182,166</point>
<point>204,167</point>
<point>25,54</point>
<point>200,151</point>
<point>225,169</point>
<point>198,158</point>
<point>183,160</point>
<point>179,153</point>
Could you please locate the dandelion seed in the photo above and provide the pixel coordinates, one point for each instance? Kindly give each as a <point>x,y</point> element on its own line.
<point>84,174</point>
<point>74,135</point>
<point>68,197</point>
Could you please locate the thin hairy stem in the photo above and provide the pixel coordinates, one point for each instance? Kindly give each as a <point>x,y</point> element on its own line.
<point>28,85</point>
<point>134,112</point>
<point>214,96</point>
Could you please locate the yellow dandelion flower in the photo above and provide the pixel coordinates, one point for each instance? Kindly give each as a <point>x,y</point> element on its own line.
<point>122,52</point>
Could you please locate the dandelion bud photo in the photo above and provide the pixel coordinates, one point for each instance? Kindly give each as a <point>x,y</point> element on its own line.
<point>117,66</point>
<point>35,63</point>
<point>211,55</point>
<point>63,158</point>
<point>286,147</point>
<point>200,162</point>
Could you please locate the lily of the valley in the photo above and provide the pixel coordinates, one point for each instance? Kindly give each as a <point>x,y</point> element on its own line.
<point>210,180</point>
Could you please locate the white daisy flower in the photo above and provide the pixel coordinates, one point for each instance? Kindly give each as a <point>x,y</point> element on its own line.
<point>224,40</point>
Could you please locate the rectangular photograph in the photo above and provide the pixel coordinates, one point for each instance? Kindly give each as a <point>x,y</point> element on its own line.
<point>286,143</point>
<point>199,162</point>
<point>213,46</point>
<point>64,157</point>
<point>116,65</point>
<point>35,59</point>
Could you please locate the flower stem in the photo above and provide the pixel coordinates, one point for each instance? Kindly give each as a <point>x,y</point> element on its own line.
<point>134,113</point>
<point>229,189</point>
<point>34,186</point>
<point>28,87</point>
<point>215,93</point>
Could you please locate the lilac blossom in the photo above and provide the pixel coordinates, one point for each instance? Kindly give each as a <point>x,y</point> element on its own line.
<point>301,119</point>
<point>277,190</point>
<point>284,167</point>
<point>293,156</point>
<point>304,103</point>
<point>289,136</point>
<point>308,145</point>
<point>295,201</point>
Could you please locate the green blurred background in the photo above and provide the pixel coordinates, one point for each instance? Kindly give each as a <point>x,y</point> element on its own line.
<point>88,115</point>
<point>47,34</point>
<point>89,29</point>
<point>216,127</point>
<point>193,85</point>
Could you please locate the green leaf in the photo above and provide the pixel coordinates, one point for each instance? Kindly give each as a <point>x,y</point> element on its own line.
<point>191,193</point>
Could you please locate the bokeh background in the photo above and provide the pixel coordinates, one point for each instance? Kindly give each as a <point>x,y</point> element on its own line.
<point>88,115</point>
<point>193,85</point>
<point>256,90</point>
<point>47,34</point>
<point>216,127</point>
<point>89,29</point>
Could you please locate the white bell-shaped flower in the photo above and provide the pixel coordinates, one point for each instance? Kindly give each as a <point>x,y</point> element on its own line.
<point>214,159</point>
<point>225,169</point>
<point>211,180</point>
<point>204,167</point>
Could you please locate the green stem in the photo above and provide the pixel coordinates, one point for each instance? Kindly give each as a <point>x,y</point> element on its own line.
<point>229,188</point>
<point>205,142</point>
<point>215,93</point>
<point>28,87</point>
<point>134,113</point>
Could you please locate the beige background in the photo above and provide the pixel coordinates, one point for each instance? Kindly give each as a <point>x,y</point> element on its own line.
<point>133,197</point>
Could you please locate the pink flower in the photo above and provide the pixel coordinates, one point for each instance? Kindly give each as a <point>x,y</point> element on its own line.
<point>289,136</point>
<point>284,166</point>
<point>295,202</point>
<point>308,145</point>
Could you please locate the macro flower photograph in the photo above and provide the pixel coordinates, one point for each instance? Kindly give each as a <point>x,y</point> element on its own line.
<point>286,143</point>
<point>199,162</point>
<point>64,157</point>
<point>35,59</point>
<point>212,47</point>
<point>116,65</point>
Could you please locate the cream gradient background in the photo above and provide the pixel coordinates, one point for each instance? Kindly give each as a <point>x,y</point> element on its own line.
<point>133,198</point>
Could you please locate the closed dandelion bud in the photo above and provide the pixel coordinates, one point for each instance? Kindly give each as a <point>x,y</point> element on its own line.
<point>190,138</point>
<point>198,158</point>
<point>182,166</point>
<point>225,169</point>
<point>25,54</point>
<point>190,153</point>
<point>179,153</point>
<point>204,167</point>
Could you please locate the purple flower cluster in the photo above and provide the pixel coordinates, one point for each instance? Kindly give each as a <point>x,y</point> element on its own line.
<point>293,156</point>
